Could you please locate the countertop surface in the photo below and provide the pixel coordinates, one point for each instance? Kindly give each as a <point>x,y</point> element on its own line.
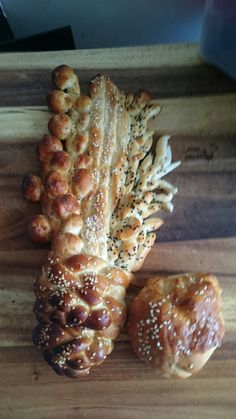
<point>198,110</point>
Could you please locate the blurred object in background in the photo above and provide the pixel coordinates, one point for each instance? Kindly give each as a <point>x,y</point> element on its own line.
<point>5,30</point>
<point>218,41</point>
<point>54,40</point>
<point>109,23</point>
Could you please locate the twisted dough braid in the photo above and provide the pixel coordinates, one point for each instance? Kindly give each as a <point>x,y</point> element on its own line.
<point>80,308</point>
<point>99,183</point>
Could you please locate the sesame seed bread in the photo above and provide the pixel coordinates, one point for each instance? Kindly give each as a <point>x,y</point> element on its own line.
<point>99,183</point>
<point>175,323</point>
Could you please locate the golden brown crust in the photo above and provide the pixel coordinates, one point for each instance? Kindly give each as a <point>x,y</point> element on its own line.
<point>55,184</point>
<point>175,323</point>
<point>32,188</point>
<point>82,182</point>
<point>64,77</point>
<point>81,142</point>
<point>65,205</point>
<point>66,244</point>
<point>48,146</point>
<point>95,202</point>
<point>83,103</point>
<point>60,125</point>
<point>59,101</point>
<point>93,157</point>
<point>39,229</point>
<point>72,305</point>
<point>60,161</point>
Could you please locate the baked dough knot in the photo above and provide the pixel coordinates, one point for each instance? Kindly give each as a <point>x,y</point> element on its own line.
<point>175,323</point>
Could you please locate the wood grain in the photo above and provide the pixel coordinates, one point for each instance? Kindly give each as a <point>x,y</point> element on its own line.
<point>204,159</point>
<point>28,88</point>
<point>215,116</point>
<point>151,56</point>
<point>17,299</point>
<point>198,109</point>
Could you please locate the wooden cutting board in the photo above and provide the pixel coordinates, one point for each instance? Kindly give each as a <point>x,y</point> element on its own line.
<point>199,111</point>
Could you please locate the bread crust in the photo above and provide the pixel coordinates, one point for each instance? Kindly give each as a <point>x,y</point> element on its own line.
<point>99,183</point>
<point>175,323</point>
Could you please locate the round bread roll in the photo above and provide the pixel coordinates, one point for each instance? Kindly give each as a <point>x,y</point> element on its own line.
<point>175,323</point>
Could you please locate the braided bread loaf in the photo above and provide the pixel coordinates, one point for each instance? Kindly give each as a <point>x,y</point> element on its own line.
<point>96,190</point>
